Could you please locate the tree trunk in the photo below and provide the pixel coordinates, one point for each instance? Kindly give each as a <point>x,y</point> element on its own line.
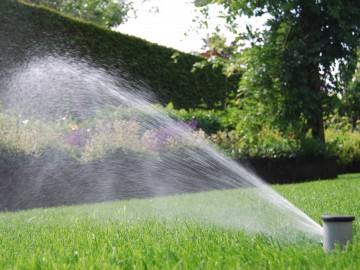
<point>314,83</point>
<point>317,121</point>
<point>318,130</point>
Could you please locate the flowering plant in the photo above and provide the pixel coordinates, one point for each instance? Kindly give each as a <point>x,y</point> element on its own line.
<point>108,131</point>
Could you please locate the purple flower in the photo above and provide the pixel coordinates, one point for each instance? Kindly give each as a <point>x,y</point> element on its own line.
<point>77,138</point>
<point>175,131</point>
<point>192,123</point>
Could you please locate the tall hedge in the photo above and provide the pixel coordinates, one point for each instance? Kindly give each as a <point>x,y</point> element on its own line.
<point>26,30</point>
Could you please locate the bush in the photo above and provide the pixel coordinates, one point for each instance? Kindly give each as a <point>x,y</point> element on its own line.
<point>267,143</point>
<point>233,134</point>
<point>210,121</point>
<point>344,138</point>
<point>347,145</point>
<point>113,129</point>
<point>122,129</point>
<point>29,136</point>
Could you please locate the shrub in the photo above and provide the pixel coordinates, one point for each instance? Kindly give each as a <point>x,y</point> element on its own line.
<point>267,143</point>
<point>347,145</point>
<point>29,136</point>
<point>344,138</point>
<point>115,129</point>
<point>231,132</point>
<point>210,121</point>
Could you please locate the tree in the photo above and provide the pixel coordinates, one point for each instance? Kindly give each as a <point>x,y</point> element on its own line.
<point>289,66</point>
<point>109,13</point>
<point>352,97</point>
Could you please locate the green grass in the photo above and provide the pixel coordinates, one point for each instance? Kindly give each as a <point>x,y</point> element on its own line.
<point>129,235</point>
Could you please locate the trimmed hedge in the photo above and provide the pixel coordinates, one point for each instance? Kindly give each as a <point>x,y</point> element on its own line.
<point>26,30</point>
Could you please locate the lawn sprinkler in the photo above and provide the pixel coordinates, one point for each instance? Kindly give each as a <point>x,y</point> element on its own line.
<point>337,230</point>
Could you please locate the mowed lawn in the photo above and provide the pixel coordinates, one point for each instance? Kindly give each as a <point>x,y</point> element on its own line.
<point>130,235</point>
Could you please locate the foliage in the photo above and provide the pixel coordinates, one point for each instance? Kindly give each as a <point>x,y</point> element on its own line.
<point>351,100</point>
<point>130,234</point>
<point>347,144</point>
<point>233,133</point>
<point>345,138</point>
<point>242,135</point>
<point>289,65</point>
<point>102,12</point>
<point>37,31</point>
<point>110,130</point>
<point>28,31</point>
<point>116,129</point>
<point>210,121</point>
<point>267,143</point>
<point>29,136</point>
<point>341,140</point>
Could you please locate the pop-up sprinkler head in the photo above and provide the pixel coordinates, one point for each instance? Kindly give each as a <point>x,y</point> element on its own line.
<point>337,230</point>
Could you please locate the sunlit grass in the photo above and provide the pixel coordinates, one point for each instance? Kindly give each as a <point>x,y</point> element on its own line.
<point>128,234</point>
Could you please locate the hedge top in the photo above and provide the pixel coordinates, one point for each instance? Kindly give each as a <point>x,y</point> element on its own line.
<point>28,30</point>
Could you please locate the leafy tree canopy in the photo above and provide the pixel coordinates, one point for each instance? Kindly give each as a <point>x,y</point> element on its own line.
<point>109,13</point>
<point>290,65</point>
<point>352,97</point>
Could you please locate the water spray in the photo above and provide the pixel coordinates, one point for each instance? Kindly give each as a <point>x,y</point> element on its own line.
<point>112,143</point>
<point>337,230</point>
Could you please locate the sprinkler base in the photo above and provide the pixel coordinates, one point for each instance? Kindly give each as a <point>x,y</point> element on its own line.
<point>337,230</point>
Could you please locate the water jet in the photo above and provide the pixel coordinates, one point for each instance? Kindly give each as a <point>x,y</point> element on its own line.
<point>338,230</point>
<point>99,137</point>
